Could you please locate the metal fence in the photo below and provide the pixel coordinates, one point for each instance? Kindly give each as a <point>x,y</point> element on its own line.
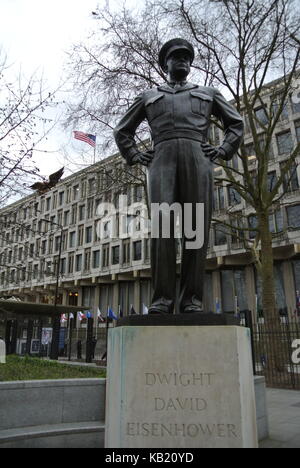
<point>282,341</point>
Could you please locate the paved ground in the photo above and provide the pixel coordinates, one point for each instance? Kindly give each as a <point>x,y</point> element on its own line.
<point>284,419</point>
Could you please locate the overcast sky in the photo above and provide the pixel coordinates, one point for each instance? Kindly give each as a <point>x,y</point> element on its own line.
<point>35,35</point>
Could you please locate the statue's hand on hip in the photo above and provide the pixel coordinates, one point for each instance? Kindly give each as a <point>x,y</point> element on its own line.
<point>143,157</point>
<point>213,152</point>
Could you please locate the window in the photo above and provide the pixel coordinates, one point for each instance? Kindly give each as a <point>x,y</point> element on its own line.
<point>61,198</point>
<point>57,243</point>
<point>80,235</point>
<point>284,142</point>
<point>293,214</point>
<point>284,115</point>
<point>295,103</point>
<point>83,189</point>
<point>126,252</point>
<point>66,218</point>
<point>261,116</point>
<point>90,208</point>
<point>48,204</point>
<point>296,267</point>
<point>253,223</point>
<point>237,234</point>
<point>147,246</point>
<point>63,263</point>
<point>92,186</point>
<point>116,255</point>
<point>105,256</point>
<point>219,199</point>
<point>87,260</point>
<point>71,263</point>
<point>272,179</point>
<point>79,262</point>
<point>137,250</point>
<point>276,221</point>
<point>50,246</point>
<point>88,235</point>
<point>96,259</point>
<point>74,214</point>
<point>106,230</point>
<point>233,196</point>
<point>75,192</point>
<point>290,181</point>
<point>138,193</point>
<point>59,218</point>
<point>69,194</point>
<point>81,212</point>
<point>220,234</point>
<point>72,236</point>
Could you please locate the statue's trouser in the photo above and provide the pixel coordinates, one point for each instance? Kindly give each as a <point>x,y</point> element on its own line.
<point>180,173</point>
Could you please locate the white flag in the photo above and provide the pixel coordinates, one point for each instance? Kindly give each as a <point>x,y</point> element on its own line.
<point>63,318</point>
<point>99,315</point>
<point>145,310</point>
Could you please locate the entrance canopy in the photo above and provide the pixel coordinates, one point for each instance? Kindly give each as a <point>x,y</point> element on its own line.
<point>15,309</point>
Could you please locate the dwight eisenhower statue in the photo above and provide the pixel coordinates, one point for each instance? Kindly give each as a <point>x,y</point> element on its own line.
<point>181,166</point>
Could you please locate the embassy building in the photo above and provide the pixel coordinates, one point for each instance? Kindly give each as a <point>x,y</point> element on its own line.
<point>67,236</point>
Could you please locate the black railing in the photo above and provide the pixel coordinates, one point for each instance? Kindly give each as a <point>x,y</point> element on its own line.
<point>275,349</point>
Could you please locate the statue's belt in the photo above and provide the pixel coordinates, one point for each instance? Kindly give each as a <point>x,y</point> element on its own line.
<point>175,134</point>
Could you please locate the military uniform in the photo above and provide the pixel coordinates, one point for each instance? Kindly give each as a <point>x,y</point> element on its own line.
<point>179,119</point>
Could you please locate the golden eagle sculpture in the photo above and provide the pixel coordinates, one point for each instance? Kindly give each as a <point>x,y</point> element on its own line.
<point>43,187</point>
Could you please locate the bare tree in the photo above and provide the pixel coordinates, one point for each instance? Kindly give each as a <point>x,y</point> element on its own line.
<point>248,48</point>
<point>23,125</point>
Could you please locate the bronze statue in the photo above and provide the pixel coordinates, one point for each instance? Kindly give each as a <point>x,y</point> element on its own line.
<point>180,167</point>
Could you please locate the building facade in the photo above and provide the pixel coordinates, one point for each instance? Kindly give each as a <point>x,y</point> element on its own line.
<point>67,237</point>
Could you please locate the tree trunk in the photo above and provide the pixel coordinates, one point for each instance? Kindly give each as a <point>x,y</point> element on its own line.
<point>275,348</point>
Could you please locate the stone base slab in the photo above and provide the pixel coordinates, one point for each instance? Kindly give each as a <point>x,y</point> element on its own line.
<point>180,387</point>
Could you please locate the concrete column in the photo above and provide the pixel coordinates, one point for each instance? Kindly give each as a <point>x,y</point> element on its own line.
<point>115,298</point>
<point>289,287</point>
<point>137,295</point>
<point>216,288</point>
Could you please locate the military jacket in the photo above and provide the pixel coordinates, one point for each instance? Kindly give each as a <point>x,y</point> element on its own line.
<point>179,113</point>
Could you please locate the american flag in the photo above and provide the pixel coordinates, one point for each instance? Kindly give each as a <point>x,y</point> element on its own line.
<point>86,137</point>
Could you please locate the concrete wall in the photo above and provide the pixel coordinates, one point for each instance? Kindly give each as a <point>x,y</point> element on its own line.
<point>261,408</point>
<point>69,413</point>
<point>40,402</point>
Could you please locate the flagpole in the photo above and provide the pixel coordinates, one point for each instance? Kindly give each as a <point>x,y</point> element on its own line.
<point>106,332</point>
<point>96,325</point>
<point>94,162</point>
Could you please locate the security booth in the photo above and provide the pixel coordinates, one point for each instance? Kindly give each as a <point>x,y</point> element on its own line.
<point>35,329</point>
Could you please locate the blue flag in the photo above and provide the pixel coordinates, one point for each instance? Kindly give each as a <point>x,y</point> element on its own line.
<point>88,315</point>
<point>111,314</point>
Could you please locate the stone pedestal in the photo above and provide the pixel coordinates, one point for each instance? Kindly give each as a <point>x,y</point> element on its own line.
<point>180,387</point>
<point>2,352</point>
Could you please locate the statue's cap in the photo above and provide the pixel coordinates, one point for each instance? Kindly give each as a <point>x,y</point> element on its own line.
<point>170,46</point>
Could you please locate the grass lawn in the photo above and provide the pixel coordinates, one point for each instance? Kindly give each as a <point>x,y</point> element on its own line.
<point>28,368</point>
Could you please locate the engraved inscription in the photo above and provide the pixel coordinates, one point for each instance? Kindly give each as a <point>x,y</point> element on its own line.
<point>180,404</point>
<point>195,404</point>
<point>147,429</point>
<point>179,379</point>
